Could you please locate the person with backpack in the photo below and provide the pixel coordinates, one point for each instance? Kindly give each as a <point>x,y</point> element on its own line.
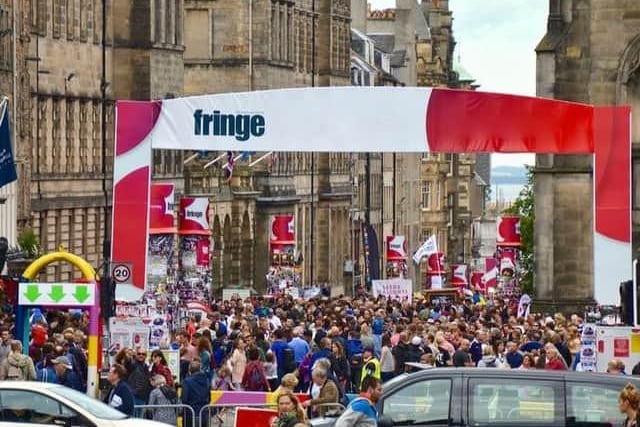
<point>17,366</point>
<point>254,378</point>
<point>362,412</point>
<point>163,394</point>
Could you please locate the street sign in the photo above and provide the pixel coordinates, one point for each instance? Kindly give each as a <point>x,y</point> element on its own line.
<point>121,272</point>
<point>66,294</point>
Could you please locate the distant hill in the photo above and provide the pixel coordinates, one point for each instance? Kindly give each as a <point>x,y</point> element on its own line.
<point>508,175</point>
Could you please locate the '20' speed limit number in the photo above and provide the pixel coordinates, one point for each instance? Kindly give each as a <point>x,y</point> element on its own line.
<point>121,273</point>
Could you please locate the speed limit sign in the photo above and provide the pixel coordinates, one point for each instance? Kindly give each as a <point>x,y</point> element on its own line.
<point>121,272</point>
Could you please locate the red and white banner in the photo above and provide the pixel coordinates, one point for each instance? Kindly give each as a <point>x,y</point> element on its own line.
<point>194,216</point>
<point>459,275</point>
<point>476,280</point>
<point>490,278</point>
<point>435,264</point>
<point>331,119</point>
<point>396,248</point>
<point>162,209</point>
<point>508,231</point>
<point>283,231</point>
<point>507,262</point>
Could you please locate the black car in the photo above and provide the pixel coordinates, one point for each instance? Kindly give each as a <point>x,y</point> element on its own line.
<point>479,397</point>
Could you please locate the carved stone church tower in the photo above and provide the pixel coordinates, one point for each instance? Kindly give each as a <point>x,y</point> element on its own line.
<point>589,54</point>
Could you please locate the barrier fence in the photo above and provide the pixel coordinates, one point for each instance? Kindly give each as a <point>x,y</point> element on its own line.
<point>164,413</point>
<point>213,415</point>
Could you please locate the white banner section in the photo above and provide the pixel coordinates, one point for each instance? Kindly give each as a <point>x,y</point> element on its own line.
<point>397,289</point>
<point>328,120</point>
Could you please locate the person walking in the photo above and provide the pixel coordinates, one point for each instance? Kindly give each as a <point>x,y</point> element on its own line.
<point>290,412</point>
<point>628,404</point>
<point>66,375</point>
<point>17,366</point>
<point>120,396</point>
<point>196,393</point>
<point>362,412</point>
<point>163,394</point>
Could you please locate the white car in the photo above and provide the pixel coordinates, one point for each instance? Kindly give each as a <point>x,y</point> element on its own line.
<point>31,403</point>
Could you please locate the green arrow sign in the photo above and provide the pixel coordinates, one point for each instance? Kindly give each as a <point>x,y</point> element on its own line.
<point>33,292</point>
<point>57,293</point>
<point>81,294</point>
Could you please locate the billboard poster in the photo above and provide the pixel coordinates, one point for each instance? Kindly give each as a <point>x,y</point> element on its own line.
<point>396,289</point>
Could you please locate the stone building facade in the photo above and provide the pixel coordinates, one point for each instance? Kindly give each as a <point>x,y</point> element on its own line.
<point>589,54</point>
<point>74,58</point>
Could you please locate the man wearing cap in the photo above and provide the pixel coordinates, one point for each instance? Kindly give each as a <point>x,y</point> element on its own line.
<point>66,375</point>
<point>370,365</point>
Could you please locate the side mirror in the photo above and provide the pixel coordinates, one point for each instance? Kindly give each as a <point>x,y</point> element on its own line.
<point>385,421</point>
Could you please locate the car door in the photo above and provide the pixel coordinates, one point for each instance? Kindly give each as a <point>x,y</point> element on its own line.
<point>498,400</point>
<point>421,402</point>
<point>29,408</point>
<point>593,404</point>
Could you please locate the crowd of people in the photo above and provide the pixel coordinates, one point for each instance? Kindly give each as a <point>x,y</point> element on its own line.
<point>322,349</point>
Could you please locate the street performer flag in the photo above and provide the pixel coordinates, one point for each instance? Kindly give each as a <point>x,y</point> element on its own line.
<point>7,165</point>
<point>428,248</point>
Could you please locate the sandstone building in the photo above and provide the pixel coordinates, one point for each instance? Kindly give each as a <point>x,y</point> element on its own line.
<point>589,54</point>
<point>72,59</point>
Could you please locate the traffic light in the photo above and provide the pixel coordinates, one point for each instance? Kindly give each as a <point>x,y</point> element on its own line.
<point>107,298</point>
<point>626,302</point>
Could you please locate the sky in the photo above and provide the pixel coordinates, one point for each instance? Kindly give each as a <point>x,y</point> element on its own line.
<point>495,41</point>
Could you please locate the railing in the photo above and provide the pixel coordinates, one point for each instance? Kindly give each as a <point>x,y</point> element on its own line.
<point>225,414</point>
<point>210,415</point>
<point>165,413</point>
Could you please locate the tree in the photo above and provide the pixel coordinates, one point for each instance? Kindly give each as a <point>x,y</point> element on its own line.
<point>524,207</point>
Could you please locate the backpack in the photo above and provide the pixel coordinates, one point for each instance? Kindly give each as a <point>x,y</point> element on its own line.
<point>288,360</point>
<point>15,373</point>
<point>256,380</point>
<point>220,353</point>
<point>305,368</point>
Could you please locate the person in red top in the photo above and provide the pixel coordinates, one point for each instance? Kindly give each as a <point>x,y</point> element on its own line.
<point>159,367</point>
<point>553,360</point>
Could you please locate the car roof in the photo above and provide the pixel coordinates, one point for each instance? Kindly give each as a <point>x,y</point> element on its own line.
<point>27,385</point>
<point>524,373</point>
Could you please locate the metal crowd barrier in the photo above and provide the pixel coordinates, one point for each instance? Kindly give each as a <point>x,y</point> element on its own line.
<point>140,411</point>
<point>224,414</point>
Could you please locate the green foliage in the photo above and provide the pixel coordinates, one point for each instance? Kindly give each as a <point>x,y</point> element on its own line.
<point>524,206</point>
<point>28,243</point>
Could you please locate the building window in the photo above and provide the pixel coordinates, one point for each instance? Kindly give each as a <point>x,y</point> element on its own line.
<point>426,195</point>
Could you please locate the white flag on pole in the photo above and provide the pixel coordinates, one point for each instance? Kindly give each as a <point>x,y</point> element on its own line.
<point>429,247</point>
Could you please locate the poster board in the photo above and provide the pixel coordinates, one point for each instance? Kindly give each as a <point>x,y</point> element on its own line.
<point>397,289</point>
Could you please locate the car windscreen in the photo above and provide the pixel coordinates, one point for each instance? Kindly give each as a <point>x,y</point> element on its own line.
<point>89,404</point>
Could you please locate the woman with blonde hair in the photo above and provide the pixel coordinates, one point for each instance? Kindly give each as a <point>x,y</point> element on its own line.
<point>290,412</point>
<point>287,385</point>
<point>628,402</point>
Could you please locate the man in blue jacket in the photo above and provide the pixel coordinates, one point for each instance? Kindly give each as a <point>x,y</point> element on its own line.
<point>66,375</point>
<point>196,393</point>
<point>120,396</point>
<point>362,412</point>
